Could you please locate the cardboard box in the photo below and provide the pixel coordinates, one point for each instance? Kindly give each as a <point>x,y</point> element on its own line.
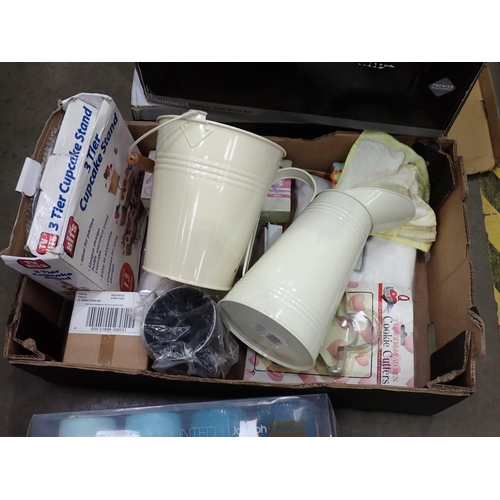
<point>477,127</point>
<point>86,223</point>
<point>448,332</point>
<point>112,351</point>
<point>103,331</point>
<point>420,99</point>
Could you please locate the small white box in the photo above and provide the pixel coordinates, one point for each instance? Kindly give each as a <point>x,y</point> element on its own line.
<point>147,185</point>
<point>278,202</point>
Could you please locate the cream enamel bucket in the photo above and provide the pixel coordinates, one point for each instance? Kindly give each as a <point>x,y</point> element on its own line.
<point>210,182</point>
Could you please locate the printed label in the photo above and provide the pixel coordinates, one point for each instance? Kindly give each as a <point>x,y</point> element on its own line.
<point>377,65</point>
<point>393,335</point>
<point>47,242</point>
<point>71,237</point>
<point>126,278</point>
<point>105,312</point>
<point>268,335</point>
<point>273,339</point>
<point>441,87</point>
<point>249,428</point>
<point>121,433</point>
<point>289,428</point>
<point>110,317</point>
<point>33,264</point>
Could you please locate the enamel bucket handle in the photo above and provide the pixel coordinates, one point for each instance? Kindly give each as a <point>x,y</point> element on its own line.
<point>283,173</point>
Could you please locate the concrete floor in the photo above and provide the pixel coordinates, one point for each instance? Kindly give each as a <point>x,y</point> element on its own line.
<point>28,94</point>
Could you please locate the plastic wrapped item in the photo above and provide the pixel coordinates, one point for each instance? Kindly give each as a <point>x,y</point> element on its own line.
<point>353,329</point>
<point>309,415</point>
<point>148,282</point>
<point>184,334</point>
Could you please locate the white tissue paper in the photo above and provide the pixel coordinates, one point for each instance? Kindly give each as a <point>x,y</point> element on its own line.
<point>386,261</point>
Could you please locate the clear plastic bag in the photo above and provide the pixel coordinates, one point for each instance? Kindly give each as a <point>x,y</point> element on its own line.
<point>184,334</point>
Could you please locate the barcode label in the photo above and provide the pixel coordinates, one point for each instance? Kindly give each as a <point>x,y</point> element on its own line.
<point>268,335</point>
<point>110,317</point>
<point>105,312</point>
<point>273,339</point>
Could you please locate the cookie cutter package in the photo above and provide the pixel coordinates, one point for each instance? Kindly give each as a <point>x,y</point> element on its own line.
<point>378,315</point>
<point>184,334</point>
<point>353,330</point>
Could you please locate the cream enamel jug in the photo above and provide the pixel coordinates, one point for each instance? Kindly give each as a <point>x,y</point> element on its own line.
<point>283,307</point>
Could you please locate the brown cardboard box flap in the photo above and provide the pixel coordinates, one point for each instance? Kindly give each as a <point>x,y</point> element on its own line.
<point>117,351</point>
<point>492,112</point>
<point>451,360</point>
<point>36,313</point>
<point>18,236</point>
<point>477,127</point>
<point>452,270</point>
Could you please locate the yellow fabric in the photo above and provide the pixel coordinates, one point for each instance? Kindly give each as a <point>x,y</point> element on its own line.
<point>395,145</point>
<point>410,178</point>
